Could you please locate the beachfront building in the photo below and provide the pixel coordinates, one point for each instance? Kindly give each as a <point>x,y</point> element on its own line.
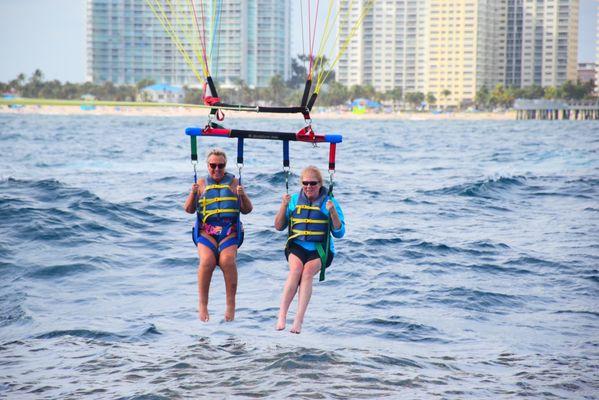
<point>387,51</point>
<point>126,43</point>
<point>586,72</point>
<point>466,49</point>
<point>597,55</point>
<point>162,93</point>
<point>549,52</point>
<point>447,48</point>
<point>452,48</point>
<point>254,42</point>
<point>513,46</point>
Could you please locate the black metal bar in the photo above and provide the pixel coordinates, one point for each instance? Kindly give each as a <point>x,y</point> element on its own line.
<point>306,92</point>
<point>312,101</point>
<point>241,133</point>
<point>212,87</point>
<point>282,110</point>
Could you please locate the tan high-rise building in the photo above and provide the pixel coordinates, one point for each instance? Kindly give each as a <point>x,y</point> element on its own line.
<point>466,48</point>
<point>449,48</point>
<point>452,48</point>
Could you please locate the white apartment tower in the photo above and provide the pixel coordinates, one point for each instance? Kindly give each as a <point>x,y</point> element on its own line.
<point>388,49</point>
<point>126,43</point>
<point>549,42</point>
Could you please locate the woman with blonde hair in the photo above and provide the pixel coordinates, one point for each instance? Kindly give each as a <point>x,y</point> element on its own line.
<point>311,216</point>
<point>218,199</point>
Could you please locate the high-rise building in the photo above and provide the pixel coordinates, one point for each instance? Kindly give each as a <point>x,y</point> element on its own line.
<point>387,51</point>
<point>514,42</point>
<point>447,48</point>
<point>126,43</point>
<point>549,53</point>
<point>597,55</point>
<point>466,48</point>
<point>586,72</point>
<point>452,48</point>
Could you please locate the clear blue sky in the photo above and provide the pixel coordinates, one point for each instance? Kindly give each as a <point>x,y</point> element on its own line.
<point>50,35</point>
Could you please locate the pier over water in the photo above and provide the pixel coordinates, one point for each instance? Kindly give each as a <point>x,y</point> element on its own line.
<point>557,109</point>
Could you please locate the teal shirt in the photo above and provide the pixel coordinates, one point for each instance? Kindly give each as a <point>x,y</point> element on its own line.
<point>338,233</point>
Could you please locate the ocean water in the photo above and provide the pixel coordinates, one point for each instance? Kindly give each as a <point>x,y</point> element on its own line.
<point>469,268</point>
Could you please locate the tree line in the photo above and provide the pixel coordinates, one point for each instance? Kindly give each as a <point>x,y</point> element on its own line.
<point>289,93</point>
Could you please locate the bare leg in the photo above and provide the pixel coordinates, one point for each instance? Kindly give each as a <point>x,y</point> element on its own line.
<point>205,269</point>
<point>291,284</point>
<point>228,265</point>
<point>305,292</point>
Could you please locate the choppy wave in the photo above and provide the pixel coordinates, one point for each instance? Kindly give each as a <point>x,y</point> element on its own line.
<point>490,188</point>
<point>468,269</point>
<point>48,210</point>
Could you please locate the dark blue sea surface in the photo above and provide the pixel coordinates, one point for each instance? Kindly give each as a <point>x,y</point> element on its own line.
<point>470,267</point>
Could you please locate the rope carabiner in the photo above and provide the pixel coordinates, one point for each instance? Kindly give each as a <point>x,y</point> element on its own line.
<point>210,120</point>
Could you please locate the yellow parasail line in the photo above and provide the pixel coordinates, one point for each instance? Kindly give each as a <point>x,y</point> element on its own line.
<point>57,102</point>
<point>322,77</point>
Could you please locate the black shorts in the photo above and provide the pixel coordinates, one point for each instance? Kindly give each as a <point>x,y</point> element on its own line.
<point>305,255</point>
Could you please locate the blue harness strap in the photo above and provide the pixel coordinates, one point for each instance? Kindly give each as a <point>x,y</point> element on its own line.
<point>209,244</point>
<point>222,242</point>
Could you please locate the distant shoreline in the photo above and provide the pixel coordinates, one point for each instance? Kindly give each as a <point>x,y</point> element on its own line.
<point>180,112</point>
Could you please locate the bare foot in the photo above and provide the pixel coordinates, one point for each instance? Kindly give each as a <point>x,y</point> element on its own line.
<point>203,313</point>
<point>280,324</point>
<point>230,314</point>
<point>296,328</point>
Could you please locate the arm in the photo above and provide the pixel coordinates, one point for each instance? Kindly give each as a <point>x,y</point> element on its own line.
<point>337,219</point>
<point>192,199</point>
<point>245,204</point>
<point>281,217</point>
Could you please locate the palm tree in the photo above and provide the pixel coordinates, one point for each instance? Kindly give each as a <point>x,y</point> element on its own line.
<point>445,93</point>
<point>395,94</point>
<point>431,99</point>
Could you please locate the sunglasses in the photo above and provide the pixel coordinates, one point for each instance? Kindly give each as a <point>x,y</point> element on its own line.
<point>310,183</point>
<point>214,165</point>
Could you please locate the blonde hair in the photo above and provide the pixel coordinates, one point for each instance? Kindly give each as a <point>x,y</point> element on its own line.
<point>314,170</point>
<point>216,151</point>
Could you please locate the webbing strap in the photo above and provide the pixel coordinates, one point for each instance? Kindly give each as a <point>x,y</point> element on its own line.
<point>293,233</point>
<point>239,166</point>
<point>324,255</point>
<point>306,207</point>
<point>332,149</point>
<point>206,202</point>
<point>298,232</point>
<point>240,150</point>
<point>308,221</point>
<point>210,213</point>
<point>194,148</point>
<point>216,186</point>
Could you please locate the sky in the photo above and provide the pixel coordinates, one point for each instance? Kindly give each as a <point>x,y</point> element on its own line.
<point>50,35</point>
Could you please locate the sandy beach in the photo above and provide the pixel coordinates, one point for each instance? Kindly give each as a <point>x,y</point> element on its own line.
<point>181,111</point>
